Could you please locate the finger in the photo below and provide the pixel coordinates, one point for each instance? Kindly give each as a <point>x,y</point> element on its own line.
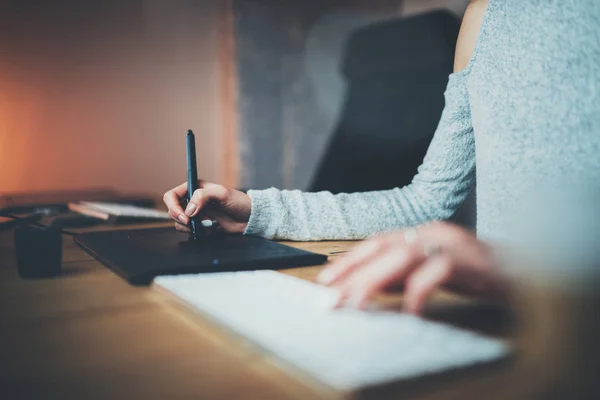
<point>172,200</point>
<point>201,197</point>
<point>225,222</point>
<point>182,228</point>
<point>388,269</point>
<point>424,281</point>
<point>349,299</point>
<point>179,218</point>
<point>342,267</point>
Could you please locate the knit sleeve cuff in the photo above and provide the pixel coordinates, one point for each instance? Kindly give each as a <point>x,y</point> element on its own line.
<point>266,213</point>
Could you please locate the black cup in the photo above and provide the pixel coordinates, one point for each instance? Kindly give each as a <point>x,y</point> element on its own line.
<point>39,251</point>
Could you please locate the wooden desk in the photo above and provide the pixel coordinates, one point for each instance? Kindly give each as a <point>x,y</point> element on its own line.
<point>88,334</point>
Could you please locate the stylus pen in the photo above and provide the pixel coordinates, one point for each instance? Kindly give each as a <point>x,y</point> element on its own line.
<point>192,180</point>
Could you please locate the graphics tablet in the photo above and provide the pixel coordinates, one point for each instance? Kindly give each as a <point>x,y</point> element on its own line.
<point>140,255</point>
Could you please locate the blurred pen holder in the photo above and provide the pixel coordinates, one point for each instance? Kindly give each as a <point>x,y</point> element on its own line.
<point>39,251</point>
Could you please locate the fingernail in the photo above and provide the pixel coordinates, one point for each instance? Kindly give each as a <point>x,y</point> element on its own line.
<point>207,223</point>
<point>190,209</point>
<point>326,276</point>
<point>355,300</point>
<point>412,309</point>
<point>334,301</point>
<point>183,219</point>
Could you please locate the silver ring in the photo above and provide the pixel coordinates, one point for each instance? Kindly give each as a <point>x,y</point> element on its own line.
<point>431,249</point>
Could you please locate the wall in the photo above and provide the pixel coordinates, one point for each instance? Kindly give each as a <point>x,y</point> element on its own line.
<point>101,93</point>
<point>290,87</point>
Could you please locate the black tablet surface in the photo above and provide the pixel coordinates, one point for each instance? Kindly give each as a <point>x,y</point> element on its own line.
<point>141,254</point>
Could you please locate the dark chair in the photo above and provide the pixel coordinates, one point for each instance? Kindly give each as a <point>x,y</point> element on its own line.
<point>396,75</point>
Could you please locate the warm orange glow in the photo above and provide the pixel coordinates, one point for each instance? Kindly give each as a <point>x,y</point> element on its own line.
<point>110,111</point>
<point>230,157</point>
<point>21,109</point>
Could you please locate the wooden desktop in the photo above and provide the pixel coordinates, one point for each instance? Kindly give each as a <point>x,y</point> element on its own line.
<point>88,334</point>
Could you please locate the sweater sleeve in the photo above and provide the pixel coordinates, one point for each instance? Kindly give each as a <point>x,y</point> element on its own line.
<point>441,185</point>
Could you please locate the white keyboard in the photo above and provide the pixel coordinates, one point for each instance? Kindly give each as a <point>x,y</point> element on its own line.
<point>125,210</point>
<point>346,349</point>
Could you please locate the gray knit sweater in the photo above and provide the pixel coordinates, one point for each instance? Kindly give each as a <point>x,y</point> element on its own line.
<point>526,109</point>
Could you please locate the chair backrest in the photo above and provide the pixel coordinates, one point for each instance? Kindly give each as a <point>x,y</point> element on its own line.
<point>396,74</point>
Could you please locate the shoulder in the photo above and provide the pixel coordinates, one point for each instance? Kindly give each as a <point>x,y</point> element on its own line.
<point>469,32</point>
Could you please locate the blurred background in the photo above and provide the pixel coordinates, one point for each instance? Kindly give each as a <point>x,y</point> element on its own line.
<point>101,93</point>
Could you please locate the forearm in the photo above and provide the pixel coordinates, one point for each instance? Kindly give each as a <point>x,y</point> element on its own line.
<point>319,216</point>
<point>294,215</point>
<point>441,185</point>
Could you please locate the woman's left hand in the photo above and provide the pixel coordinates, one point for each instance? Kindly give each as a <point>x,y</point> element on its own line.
<point>422,260</point>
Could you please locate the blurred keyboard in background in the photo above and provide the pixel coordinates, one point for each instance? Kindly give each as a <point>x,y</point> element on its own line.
<point>27,202</point>
<point>116,213</point>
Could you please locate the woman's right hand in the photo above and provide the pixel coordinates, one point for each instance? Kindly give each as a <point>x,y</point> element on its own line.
<point>229,207</point>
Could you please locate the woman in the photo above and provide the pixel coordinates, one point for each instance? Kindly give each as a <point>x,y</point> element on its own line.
<point>523,106</point>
